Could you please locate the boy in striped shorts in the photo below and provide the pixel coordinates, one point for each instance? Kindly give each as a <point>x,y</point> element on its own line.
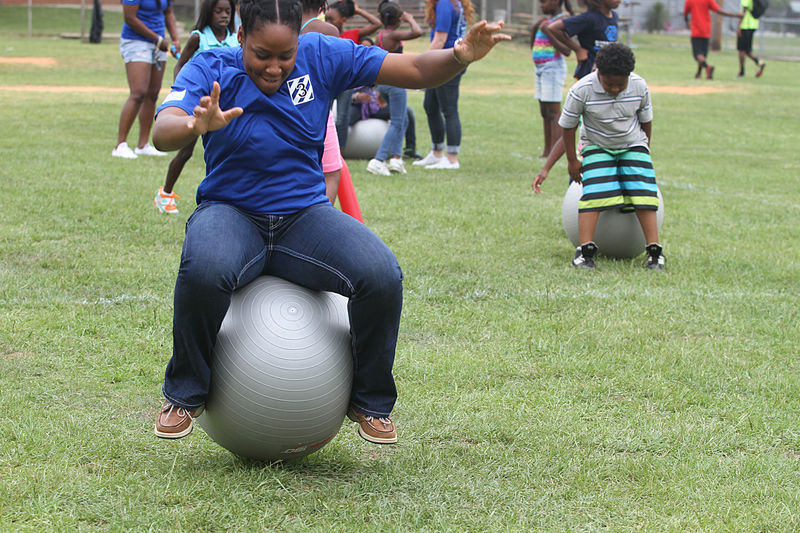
<point>616,171</point>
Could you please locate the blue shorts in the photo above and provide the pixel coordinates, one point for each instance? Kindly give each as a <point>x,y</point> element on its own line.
<point>550,78</point>
<point>134,50</point>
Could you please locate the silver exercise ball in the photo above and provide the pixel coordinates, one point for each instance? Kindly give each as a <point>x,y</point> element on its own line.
<point>618,233</point>
<point>282,371</point>
<point>364,138</point>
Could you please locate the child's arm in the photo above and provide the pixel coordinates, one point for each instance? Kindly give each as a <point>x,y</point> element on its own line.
<point>729,13</point>
<point>372,27</point>
<point>393,38</point>
<point>536,26</point>
<point>573,164</point>
<point>686,14</point>
<point>647,128</point>
<point>555,154</point>
<point>188,51</point>
<point>558,35</point>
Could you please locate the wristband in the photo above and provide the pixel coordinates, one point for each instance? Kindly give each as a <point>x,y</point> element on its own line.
<point>455,56</point>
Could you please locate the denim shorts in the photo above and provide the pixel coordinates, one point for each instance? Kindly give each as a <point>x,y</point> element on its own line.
<point>550,78</point>
<point>134,50</point>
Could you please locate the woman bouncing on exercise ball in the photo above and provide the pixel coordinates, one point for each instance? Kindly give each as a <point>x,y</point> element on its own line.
<point>262,209</point>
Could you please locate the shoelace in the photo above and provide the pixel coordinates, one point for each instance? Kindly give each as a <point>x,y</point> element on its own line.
<point>385,421</point>
<point>181,412</point>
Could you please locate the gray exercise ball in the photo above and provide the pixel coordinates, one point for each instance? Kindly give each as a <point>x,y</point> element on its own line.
<point>618,233</point>
<point>282,371</point>
<point>364,138</point>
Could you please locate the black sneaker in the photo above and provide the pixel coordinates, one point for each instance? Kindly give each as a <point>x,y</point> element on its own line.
<point>710,72</point>
<point>584,256</point>
<point>655,257</point>
<point>410,153</point>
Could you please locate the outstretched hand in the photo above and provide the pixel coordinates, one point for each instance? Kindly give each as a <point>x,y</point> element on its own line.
<point>480,38</point>
<point>208,116</point>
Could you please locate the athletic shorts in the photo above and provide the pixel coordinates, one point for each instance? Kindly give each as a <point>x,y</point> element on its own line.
<point>744,42</point>
<point>700,46</point>
<point>622,179</point>
<point>550,78</point>
<point>134,50</point>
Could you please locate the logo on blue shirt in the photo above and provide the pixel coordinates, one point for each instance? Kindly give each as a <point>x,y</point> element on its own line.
<point>300,90</point>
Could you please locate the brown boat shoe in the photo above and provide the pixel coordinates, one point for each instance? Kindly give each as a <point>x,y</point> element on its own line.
<point>174,422</point>
<point>376,430</point>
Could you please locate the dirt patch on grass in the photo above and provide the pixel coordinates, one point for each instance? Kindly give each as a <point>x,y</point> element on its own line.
<point>36,61</point>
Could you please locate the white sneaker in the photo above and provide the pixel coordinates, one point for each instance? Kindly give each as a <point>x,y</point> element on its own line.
<point>378,167</point>
<point>124,151</point>
<point>429,159</point>
<point>445,164</point>
<point>148,149</point>
<point>396,165</point>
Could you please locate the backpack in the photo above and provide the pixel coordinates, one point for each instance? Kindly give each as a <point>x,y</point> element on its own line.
<point>759,7</point>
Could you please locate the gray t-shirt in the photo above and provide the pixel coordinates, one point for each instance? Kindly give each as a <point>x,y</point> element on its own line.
<point>609,122</point>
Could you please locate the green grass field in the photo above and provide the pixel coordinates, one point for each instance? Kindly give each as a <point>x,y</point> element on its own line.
<point>532,396</point>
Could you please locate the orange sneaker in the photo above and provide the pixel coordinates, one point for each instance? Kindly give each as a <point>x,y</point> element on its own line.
<point>174,422</point>
<point>166,202</point>
<point>376,430</point>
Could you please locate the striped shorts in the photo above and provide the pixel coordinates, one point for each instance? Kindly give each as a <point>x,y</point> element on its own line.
<point>617,179</point>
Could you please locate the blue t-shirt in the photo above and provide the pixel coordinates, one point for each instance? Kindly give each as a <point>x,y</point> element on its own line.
<point>267,161</point>
<point>594,30</point>
<point>151,13</point>
<point>450,19</point>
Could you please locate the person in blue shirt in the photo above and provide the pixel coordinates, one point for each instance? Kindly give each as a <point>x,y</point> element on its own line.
<point>448,20</point>
<point>144,51</point>
<point>594,28</point>
<point>262,209</point>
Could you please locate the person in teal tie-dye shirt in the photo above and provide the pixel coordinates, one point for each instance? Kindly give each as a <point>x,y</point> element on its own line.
<point>551,71</point>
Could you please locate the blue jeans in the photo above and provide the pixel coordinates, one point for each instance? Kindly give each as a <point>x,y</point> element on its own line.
<point>392,143</point>
<point>320,248</point>
<point>441,107</point>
